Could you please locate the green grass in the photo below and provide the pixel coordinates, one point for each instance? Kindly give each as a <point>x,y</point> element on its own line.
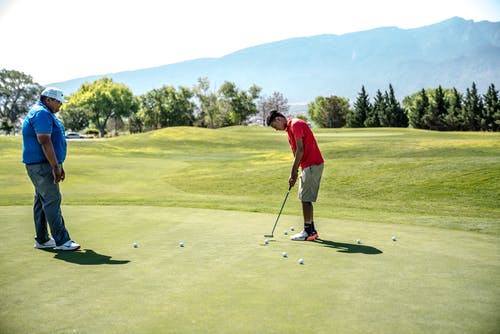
<point>397,176</point>
<point>219,191</point>
<point>225,280</point>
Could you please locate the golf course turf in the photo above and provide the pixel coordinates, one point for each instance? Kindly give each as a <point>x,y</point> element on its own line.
<point>218,192</point>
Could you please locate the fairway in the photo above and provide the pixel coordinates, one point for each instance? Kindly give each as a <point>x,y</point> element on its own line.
<point>218,192</point>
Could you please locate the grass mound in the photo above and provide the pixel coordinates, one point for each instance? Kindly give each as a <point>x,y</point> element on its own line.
<point>397,176</point>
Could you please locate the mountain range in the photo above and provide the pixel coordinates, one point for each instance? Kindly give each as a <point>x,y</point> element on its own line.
<point>451,53</point>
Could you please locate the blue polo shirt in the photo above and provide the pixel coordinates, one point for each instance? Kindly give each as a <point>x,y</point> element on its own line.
<point>41,120</point>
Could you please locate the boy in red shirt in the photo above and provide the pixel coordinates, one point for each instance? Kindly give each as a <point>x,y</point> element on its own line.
<point>308,156</point>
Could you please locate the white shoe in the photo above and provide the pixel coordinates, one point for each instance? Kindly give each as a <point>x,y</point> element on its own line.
<point>48,244</point>
<point>300,236</point>
<point>68,246</point>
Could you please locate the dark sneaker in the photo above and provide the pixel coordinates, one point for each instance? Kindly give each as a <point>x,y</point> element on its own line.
<point>313,236</point>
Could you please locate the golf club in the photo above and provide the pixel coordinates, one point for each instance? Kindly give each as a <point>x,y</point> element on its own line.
<point>279,214</point>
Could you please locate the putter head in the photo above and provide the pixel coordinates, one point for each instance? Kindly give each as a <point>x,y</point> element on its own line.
<point>268,236</point>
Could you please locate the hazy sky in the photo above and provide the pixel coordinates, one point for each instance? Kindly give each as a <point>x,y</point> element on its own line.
<point>57,40</point>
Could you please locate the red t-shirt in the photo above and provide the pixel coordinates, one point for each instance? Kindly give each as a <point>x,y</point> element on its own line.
<point>297,128</point>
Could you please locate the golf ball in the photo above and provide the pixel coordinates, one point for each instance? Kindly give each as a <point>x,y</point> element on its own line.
<point>358,241</point>
<point>284,254</point>
<point>301,261</point>
<point>394,238</point>
<point>136,245</point>
<point>266,241</point>
<point>291,228</point>
<point>181,244</point>
<point>285,232</point>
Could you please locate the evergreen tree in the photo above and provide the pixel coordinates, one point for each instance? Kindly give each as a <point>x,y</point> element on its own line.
<point>357,116</point>
<point>452,118</point>
<point>383,116</point>
<point>394,115</point>
<point>398,117</point>
<point>490,120</point>
<point>472,110</point>
<point>378,109</point>
<point>417,109</point>
<point>371,120</point>
<point>434,117</point>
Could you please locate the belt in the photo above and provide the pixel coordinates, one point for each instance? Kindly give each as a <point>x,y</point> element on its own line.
<point>37,163</point>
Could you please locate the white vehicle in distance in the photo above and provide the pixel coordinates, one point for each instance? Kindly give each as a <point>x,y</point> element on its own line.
<point>75,135</point>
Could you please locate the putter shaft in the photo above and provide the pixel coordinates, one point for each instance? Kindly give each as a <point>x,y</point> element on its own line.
<point>279,214</point>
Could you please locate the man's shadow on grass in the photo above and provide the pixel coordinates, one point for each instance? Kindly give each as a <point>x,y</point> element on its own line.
<point>349,248</point>
<point>85,257</point>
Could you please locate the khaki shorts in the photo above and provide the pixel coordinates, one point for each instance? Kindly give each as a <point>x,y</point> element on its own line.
<point>309,182</point>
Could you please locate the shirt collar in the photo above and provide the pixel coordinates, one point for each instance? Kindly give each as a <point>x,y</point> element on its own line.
<point>41,104</point>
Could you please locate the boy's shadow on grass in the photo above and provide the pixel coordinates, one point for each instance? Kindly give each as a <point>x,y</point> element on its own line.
<point>85,257</point>
<point>349,248</point>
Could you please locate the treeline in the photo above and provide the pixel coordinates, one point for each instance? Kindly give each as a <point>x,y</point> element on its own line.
<point>104,106</point>
<point>432,109</point>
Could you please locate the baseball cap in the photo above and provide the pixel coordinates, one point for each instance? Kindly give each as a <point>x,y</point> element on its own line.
<point>54,93</point>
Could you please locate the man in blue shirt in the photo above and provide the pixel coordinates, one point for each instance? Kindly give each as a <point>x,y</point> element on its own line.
<point>44,151</point>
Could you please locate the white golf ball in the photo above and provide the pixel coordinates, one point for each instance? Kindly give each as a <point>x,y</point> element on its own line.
<point>358,241</point>
<point>181,244</point>
<point>285,232</point>
<point>136,245</point>
<point>394,238</point>
<point>284,254</point>
<point>301,261</point>
<point>266,241</point>
<point>291,228</point>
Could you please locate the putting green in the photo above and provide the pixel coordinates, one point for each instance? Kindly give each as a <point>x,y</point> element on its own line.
<point>226,280</point>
